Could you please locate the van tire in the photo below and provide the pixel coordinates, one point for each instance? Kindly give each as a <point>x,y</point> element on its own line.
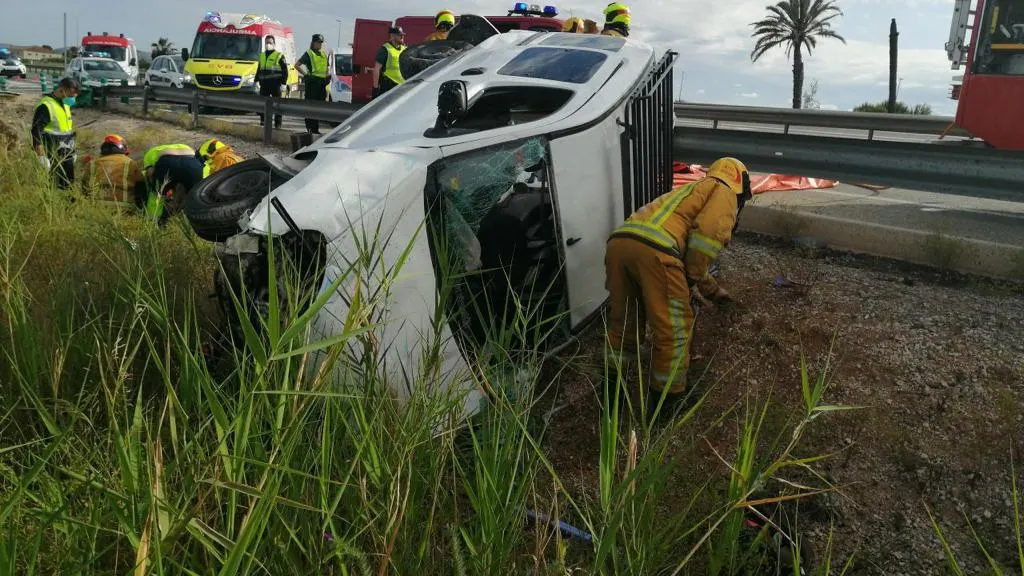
<point>416,59</point>
<point>214,206</point>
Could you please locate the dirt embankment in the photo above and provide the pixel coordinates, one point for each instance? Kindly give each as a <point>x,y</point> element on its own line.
<point>937,364</point>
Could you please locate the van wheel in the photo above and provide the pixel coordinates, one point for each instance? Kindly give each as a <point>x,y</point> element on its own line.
<point>416,59</point>
<point>214,206</point>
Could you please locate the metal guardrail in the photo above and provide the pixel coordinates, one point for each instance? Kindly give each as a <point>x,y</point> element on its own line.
<point>955,168</point>
<point>787,117</point>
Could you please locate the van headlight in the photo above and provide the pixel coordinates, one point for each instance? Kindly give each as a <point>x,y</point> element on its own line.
<point>249,80</point>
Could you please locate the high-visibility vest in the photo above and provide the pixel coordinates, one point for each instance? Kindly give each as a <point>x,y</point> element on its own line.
<point>271,64</point>
<point>650,229</point>
<point>392,71</point>
<point>154,153</point>
<point>317,63</point>
<point>60,130</point>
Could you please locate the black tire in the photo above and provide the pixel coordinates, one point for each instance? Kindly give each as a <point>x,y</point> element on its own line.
<point>416,59</point>
<point>214,206</point>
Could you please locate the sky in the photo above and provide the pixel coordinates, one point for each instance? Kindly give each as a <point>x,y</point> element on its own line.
<point>712,38</point>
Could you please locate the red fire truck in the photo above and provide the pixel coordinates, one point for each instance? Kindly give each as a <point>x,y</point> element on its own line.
<point>370,35</point>
<point>990,92</point>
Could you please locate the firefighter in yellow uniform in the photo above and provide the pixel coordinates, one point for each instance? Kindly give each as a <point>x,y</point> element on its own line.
<point>444,21</point>
<point>573,25</point>
<point>653,259</point>
<point>616,20</point>
<point>386,70</point>
<point>216,156</point>
<point>114,175</point>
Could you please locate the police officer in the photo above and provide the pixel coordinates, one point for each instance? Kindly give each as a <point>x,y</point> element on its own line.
<point>53,133</point>
<point>386,72</point>
<point>313,66</point>
<point>272,74</point>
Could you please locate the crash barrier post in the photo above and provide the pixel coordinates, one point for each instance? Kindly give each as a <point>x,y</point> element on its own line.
<point>145,100</point>
<point>42,82</point>
<point>268,121</point>
<point>3,84</point>
<point>124,99</point>
<point>195,107</point>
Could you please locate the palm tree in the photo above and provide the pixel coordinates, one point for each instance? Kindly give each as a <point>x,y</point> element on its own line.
<point>795,24</point>
<point>161,47</point>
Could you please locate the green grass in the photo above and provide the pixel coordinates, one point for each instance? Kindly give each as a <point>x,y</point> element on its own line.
<point>123,451</point>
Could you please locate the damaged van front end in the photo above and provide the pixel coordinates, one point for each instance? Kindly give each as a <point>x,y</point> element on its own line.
<point>348,225</point>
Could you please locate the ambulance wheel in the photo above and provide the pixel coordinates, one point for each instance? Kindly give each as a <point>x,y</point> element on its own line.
<point>214,206</point>
<point>416,59</point>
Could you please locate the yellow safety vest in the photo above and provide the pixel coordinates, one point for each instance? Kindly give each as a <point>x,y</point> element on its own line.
<point>60,130</point>
<point>392,71</point>
<point>272,63</point>
<point>651,230</point>
<point>154,153</point>
<point>317,63</point>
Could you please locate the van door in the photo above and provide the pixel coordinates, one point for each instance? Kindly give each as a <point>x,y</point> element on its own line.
<point>369,36</point>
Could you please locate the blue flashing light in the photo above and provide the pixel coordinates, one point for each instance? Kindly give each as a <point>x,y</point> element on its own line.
<point>213,17</point>
<point>550,11</point>
<point>521,7</point>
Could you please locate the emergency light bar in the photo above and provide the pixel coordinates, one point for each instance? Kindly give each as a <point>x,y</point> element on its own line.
<point>212,17</point>
<point>524,9</point>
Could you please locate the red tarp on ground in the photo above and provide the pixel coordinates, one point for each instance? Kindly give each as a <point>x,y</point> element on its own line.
<point>683,173</point>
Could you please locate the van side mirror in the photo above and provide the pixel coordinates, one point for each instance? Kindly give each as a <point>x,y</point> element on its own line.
<point>133,62</point>
<point>452,103</point>
<point>184,53</point>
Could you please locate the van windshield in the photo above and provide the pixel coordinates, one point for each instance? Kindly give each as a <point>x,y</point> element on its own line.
<point>115,52</point>
<point>101,66</point>
<point>226,46</point>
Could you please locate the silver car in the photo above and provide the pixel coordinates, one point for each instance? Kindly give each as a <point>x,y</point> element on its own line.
<point>95,72</point>
<point>168,71</point>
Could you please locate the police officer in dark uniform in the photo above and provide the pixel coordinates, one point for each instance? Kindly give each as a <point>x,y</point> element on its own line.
<point>272,75</point>
<point>313,66</point>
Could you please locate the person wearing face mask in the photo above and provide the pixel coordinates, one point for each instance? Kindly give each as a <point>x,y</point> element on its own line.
<point>272,74</point>
<point>53,134</point>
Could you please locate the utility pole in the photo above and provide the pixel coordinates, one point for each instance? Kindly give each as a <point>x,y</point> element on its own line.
<point>893,55</point>
<point>339,32</point>
<point>65,39</point>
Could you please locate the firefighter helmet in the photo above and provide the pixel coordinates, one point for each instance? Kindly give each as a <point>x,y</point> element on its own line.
<point>113,144</point>
<point>617,13</point>
<point>732,173</point>
<point>444,17</point>
<point>206,151</point>
<point>574,25</point>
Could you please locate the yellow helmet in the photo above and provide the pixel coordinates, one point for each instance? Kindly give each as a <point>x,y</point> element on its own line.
<point>617,13</point>
<point>732,173</point>
<point>206,151</point>
<point>574,25</point>
<point>444,17</point>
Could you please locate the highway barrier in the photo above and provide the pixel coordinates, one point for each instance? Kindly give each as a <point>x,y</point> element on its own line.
<point>955,166</point>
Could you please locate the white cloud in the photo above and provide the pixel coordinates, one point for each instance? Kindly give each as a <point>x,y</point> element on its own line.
<point>749,94</point>
<point>701,91</point>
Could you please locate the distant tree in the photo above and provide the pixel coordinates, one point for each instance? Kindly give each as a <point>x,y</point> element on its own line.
<point>810,98</point>
<point>901,108</point>
<point>47,46</point>
<point>795,25</point>
<point>73,52</point>
<point>161,47</point>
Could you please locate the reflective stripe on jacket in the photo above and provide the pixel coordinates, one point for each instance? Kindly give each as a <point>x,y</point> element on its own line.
<point>392,71</point>
<point>317,63</point>
<point>270,67</point>
<point>114,174</point>
<point>693,223</point>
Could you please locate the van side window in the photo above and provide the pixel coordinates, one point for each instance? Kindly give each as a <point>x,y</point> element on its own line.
<point>499,107</point>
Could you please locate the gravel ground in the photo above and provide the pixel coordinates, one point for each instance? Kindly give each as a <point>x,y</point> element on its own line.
<point>936,362</point>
